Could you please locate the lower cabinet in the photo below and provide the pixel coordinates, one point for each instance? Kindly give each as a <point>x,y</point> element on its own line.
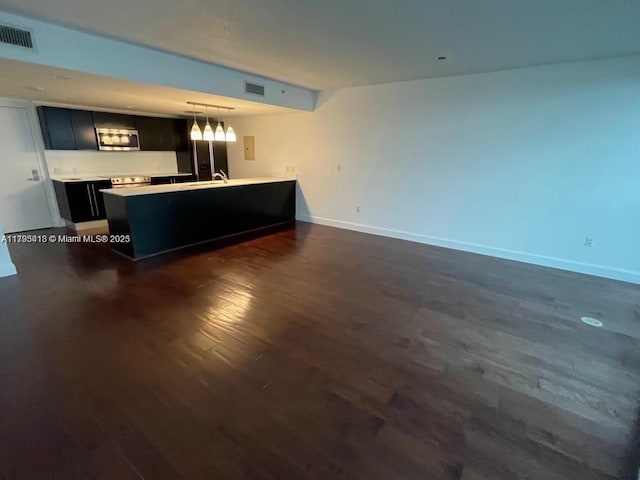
<point>172,179</point>
<point>81,201</point>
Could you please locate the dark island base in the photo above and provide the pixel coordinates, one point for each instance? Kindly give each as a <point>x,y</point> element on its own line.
<point>165,222</point>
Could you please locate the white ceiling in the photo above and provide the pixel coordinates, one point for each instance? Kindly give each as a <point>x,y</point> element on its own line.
<point>335,43</point>
<point>49,85</point>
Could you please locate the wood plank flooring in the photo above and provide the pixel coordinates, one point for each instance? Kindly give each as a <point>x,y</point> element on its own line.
<point>314,353</point>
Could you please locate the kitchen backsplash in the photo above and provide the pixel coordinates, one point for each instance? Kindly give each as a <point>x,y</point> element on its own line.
<point>63,162</point>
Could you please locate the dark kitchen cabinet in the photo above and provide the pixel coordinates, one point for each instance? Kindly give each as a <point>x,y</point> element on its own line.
<point>81,201</point>
<point>181,136</point>
<point>68,129</point>
<point>162,134</point>
<point>101,212</point>
<point>114,120</point>
<point>57,130</point>
<point>172,179</point>
<point>153,133</point>
<point>84,131</point>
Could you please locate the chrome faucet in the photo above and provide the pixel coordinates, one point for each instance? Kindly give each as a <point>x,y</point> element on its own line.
<point>221,175</point>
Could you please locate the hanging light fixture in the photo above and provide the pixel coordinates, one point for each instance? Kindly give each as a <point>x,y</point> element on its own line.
<point>210,134</point>
<point>196,133</point>
<point>231,134</point>
<point>220,136</point>
<point>208,131</point>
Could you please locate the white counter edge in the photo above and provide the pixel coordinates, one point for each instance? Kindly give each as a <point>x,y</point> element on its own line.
<point>102,177</point>
<point>191,186</point>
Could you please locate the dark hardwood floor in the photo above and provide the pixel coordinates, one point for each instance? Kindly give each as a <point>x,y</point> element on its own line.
<point>314,353</point>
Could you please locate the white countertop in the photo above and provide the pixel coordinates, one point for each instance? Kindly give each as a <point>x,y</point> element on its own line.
<point>106,176</point>
<point>180,187</point>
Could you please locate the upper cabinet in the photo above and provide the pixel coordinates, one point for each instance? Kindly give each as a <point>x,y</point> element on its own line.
<point>162,134</point>
<point>83,130</point>
<point>68,129</point>
<point>58,129</point>
<point>114,120</point>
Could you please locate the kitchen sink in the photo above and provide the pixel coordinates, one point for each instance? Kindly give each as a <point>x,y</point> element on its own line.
<point>192,185</point>
<point>212,182</point>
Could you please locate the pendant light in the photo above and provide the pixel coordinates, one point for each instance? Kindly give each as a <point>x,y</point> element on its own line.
<point>208,131</point>
<point>220,136</point>
<point>231,134</point>
<point>196,133</point>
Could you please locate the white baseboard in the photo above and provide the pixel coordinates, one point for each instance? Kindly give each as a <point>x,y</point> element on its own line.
<point>7,269</point>
<point>562,264</point>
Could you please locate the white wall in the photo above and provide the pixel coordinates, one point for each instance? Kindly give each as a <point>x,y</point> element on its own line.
<point>6,265</point>
<point>522,164</point>
<point>76,162</point>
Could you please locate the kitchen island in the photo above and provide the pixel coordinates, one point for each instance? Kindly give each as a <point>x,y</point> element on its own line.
<point>158,219</point>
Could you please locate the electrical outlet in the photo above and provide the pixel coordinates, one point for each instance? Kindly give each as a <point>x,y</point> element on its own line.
<point>357,209</point>
<point>588,242</point>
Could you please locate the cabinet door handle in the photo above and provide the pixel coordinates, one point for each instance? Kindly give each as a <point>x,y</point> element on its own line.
<point>93,213</point>
<point>95,200</point>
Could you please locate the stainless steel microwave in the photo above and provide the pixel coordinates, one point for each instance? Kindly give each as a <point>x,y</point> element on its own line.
<point>118,139</point>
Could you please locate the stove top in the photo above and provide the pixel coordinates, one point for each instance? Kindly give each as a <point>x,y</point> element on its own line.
<point>130,181</point>
<point>125,175</point>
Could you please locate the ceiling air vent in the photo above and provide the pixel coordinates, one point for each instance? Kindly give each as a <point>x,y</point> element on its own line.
<point>254,89</point>
<point>15,36</point>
